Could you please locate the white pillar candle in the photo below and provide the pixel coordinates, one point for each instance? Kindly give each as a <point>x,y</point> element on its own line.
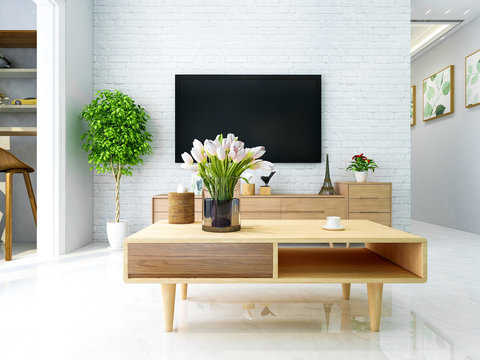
<point>181,189</point>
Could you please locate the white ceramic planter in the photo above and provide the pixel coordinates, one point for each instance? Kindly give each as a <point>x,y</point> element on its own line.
<point>116,232</point>
<point>361,176</point>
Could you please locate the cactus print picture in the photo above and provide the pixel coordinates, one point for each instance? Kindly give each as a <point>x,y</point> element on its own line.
<point>438,94</point>
<point>472,79</point>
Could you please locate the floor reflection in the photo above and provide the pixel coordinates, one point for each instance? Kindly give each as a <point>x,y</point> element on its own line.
<point>78,307</point>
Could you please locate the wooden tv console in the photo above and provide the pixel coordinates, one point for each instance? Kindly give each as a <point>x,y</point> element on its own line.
<point>359,201</point>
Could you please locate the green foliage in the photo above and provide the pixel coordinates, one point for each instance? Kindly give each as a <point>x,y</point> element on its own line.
<point>439,110</point>
<point>446,88</point>
<point>117,137</point>
<point>428,110</point>
<point>361,163</point>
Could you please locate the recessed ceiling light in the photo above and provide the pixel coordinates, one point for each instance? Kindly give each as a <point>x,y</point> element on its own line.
<point>428,11</point>
<point>446,12</point>
<point>466,12</point>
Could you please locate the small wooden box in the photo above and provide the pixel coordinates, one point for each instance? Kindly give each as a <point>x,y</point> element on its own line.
<point>265,191</point>
<point>248,189</point>
<point>181,208</point>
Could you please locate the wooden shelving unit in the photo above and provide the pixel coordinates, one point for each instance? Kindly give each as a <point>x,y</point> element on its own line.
<point>18,131</point>
<point>18,73</point>
<point>18,38</point>
<point>18,108</point>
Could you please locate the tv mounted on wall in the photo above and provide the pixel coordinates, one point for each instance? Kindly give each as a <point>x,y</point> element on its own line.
<point>280,112</point>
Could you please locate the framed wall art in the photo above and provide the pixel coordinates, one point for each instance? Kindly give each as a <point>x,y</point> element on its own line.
<point>438,94</point>
<point>472,79</point>
<point>413,107</point>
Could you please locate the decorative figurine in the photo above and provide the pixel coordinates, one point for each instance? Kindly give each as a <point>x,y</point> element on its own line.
<point>327,188</point>
<point>265,189</point>
<point>266,179</point>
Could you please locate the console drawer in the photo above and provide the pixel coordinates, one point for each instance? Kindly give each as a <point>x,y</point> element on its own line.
<point>369,205</point>
<point>204,260</point>
<point>381,218</point>
<point>259,204</point>
<point>370,191</point>
<point>330,207</point>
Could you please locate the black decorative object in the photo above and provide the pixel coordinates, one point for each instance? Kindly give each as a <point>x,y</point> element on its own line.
<point>4,62</point>
<point>266,179</point>
<point>327,188</point>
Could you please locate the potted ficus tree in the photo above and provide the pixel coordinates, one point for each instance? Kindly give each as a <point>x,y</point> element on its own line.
<point>115,140</point>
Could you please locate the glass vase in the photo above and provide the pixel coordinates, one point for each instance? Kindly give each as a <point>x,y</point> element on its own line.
<point>220,212</point>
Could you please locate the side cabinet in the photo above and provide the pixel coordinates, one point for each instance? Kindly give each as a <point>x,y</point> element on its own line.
<point>368,201</point>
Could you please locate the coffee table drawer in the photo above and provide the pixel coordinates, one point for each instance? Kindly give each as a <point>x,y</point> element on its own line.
<point>204,260</point>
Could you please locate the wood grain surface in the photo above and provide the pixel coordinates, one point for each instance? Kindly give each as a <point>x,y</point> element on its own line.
<point>206,260</point>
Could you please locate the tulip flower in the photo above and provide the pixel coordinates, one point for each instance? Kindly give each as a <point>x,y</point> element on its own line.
<point>226,143</point>
<point>231,137</point>
<point>187,158</point>
<point>239,156</point>
<point>198,145</point>
<point>193,167</point>
<point>221,162</point>
<point>210,148</point>
<point>198,156</point>
<point>266,165</point>
<point>221,153</point>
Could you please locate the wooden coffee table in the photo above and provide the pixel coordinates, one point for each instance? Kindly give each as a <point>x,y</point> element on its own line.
<point>180,254</point>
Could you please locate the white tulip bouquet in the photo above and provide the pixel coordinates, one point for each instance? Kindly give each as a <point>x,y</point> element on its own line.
<point>221,162</point>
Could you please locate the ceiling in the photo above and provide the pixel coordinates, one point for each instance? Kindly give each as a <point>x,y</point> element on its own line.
<point>434,20</point>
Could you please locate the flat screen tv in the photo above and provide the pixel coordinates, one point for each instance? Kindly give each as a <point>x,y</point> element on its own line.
<point>280,112</point>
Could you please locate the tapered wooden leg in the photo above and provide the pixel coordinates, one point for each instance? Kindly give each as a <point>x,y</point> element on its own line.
<point>346,291</point>
<point>8,216</point>
<point>183,291</point>
<point>31,195</point>
<point>168,294</point>
<point>375,292</point>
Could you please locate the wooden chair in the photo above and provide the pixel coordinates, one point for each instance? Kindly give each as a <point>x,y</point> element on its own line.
<point>10,165</point>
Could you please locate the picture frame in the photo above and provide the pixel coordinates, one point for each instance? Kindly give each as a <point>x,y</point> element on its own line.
<point>472,79</point>
<point>413,106</point>
<point>438,90</point>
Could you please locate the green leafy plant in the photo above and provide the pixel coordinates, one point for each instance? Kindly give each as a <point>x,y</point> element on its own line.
<point>117,137</point>
<point>361,163</point>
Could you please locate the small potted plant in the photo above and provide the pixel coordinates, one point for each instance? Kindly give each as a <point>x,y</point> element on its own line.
<point>116,140</point>
<point>360,165</point>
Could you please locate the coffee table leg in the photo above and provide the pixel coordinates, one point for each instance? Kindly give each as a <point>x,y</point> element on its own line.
<point>183,291</point>
<point>346,291</point>
<point>375,291</point>
<point>168,294</point>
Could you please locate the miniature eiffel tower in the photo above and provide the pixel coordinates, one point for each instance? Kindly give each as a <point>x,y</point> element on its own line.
<point>327,188</point>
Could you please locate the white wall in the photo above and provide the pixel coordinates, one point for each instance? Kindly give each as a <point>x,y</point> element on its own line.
<point>361,48</point>
<point>19,15</point>
<point>78,93</point>
<point>445,151</point>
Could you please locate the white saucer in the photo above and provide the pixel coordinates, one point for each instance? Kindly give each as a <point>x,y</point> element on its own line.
<point>333,228</point>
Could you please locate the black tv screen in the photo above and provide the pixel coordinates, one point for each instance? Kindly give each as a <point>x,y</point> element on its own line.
<point>280,112</point>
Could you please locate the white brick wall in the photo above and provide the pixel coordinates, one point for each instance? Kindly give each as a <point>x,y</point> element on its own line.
<point>360,47</point>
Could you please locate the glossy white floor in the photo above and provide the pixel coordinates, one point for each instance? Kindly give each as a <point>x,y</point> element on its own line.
<point>77,307</point>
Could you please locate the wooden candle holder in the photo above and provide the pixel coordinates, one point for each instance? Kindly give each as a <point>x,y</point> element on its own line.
<point>248,189</point>
<point>181,208</point>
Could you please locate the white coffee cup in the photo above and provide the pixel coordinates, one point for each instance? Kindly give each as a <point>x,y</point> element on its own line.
<point>333,222</point>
